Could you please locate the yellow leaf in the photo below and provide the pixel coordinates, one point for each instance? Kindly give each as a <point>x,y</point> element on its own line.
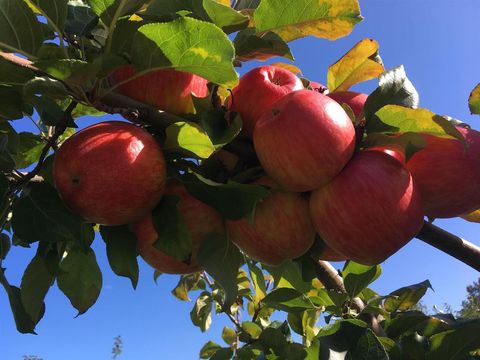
<point>289,67</point>
<point>223,2</point>
<point>472,217</point>
<point>359,64</point>
<point>474,100</point>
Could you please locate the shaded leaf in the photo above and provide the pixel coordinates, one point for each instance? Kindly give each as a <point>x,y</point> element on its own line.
<point>405,297</point>
<point>29,150</point>
<point>329,19</point>
<point>209,349</point>
<point>359,64</point>
<point>121,251</point>
<point>46,86</point>
<point>110,10</point>
<point>188,138</point>
<point>221,259</point>
<point>222,354</point>
<point>288,275</point>
<point>11,103</point>
<point>252,329</point>
<point>201,314</point>
<point>80,19</point>
<point>289,300</point>
<point>54,11</point>
<point>258,281</point>
<point>474,100</point>
<point>229,335</point>
<point>186,283</point>
<point>5,245</point>
<point>472,217</point>
<point>13,74</point>
<point>73,71</point>
<point>251,46</point>
<point>357,277</point>
<point>218,129</point>
<point>81,281</point>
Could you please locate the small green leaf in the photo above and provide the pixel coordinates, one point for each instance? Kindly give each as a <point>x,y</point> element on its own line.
<point>251,46</point>
<point>357,277</point>
<point>81,281</point>
<point>110,10</point>
<point>173,238</point>
<point>80,19</point>
<point>252,329</point>
<point>50,112</point>
<point>186,45</point>
<point>54,11</point>
<point>189,138</point>
<point>288,275</point>
<point>405,297</point>
<point>24,34</point>
<point>121,251</point>
<point>221,259</point>
<point>186,283</point>
<point>229,335</point>
<point>36,282</point>
<point>289,300</point>
<point>77,72</point>
<point>232,200</point>
<point>474,100</point>
<point>209,349</point>
<point>201,314</point>
<point>30,148</point>
<point>11,103</point>
<point>359,64</point>
<point>258,280</point>
<point>219,131</point>
<point>51,88</point>
<point>394,88</point>
<point>222,354</point>
<point>329,19</point>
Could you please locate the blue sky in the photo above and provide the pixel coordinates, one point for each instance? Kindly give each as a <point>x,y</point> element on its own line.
<point>437,42</point>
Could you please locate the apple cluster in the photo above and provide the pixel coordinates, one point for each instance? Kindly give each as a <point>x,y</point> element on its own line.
<point>363,203</point>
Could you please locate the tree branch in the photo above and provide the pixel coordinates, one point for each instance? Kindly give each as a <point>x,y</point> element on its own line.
<point>451,244</point>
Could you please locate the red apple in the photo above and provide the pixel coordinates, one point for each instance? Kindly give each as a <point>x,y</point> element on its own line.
<point>304,140</point>
<point>448,174</point>
<point>396,153</point>
<point>168,90</point>
<point>316,86</point>
<point>370,210</point>
<point>110,173</point>
<point>200,220</point>
<point>281,229</point>
<point>258,90</point>
<point>326,253</point>
<point>355,100</point>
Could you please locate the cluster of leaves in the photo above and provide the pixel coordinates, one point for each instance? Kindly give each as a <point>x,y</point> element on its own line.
<point>69,48</point>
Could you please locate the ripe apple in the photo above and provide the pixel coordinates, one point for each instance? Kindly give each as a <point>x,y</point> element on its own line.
<point>355,100</point>
<point>304,140</point>
<point>168,90</point>
<point>396,153</point>
<point>316,86</point>
<point>370,210</point>
<point>448,174</point>
<point>326,253</point>
<point>111,173</point>
<point>258,90</point>
<point>281,228</point>
<point>200,220</point>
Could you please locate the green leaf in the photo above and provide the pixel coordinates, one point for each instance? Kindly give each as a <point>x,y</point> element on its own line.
<point>8,147</point>
<point>186,283</point>
<point>415,321</point>
<point>232,200</point>
<point>110,10</point>
<point>77,72</point>
<point>81,281</point>
<point>455,344</point>
<point>361,63</point>
<point>357,277</point>
<point>251,46</point>
<point>40,215</point>
<point>288,275</point>
<point>258,280</point>
<point>474,100</point>
<point>14,74</point>
<point>289,300</point>
<point>5,245</point>
<point>80,19</point>
<point>201,314</point>
<point>189,138</point>
<point>221,259</point>
<point>36,282</point>
<point>247,4</point>
<point>329,19</point>
<point>173,239</point>
<point>218,129</point>
<point>20,31</point>
<point>11,103</point>
<point>186,45</point>
<point>394,118</point>
<point>209,349</point>
<point>406,297</point>
<point>49,111</point>
<point>54,11</point>
<point>51,88</point>
<point>30,148</point>
<point>394,89</point>
<point>229,335</point>
<point>252,329</point>
<point>275,343</point>
<point>121,251</point>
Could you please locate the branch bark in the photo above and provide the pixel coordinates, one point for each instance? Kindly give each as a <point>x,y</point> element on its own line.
<point>451,244</point>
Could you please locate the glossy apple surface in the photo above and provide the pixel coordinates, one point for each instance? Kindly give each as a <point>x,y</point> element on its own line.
<point>355,100</point>
<point>168,90</point>
<point>200,220</point>
<point>370,210</point>
<point>258,90</point>
<point>448,174</point>
<point>396,153</point>
<point>281,229</point>
<point>304,140</point>
<point>111,173</point>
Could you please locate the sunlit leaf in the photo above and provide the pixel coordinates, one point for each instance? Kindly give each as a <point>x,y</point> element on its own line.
<point>190,138</point>
<point>357,277</point>
<point>405,297</point>
<point>251,46</point>
<point>474,100</point>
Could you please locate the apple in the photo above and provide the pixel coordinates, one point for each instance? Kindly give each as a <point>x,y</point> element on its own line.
<point>200,220</point>
<point>168,89</point>
<point>281,228</point>
<point>448,174</point>
<point>355,100</point>
<point>111,173</point>
<point>316,86</point>
<point>326,253</point>
<point>391,150</point>
<point>304,140</point>
<point>258,90</point>
<point>370,210</point>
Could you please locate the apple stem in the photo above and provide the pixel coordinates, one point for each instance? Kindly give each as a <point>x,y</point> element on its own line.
<point>451,244</point>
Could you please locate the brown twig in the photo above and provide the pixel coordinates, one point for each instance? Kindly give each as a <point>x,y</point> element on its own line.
<point>451,244</point>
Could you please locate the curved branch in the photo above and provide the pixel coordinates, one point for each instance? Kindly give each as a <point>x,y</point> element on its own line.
<point>451,244</point>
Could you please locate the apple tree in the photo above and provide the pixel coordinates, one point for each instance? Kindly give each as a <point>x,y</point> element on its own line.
<point>243,187</point>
